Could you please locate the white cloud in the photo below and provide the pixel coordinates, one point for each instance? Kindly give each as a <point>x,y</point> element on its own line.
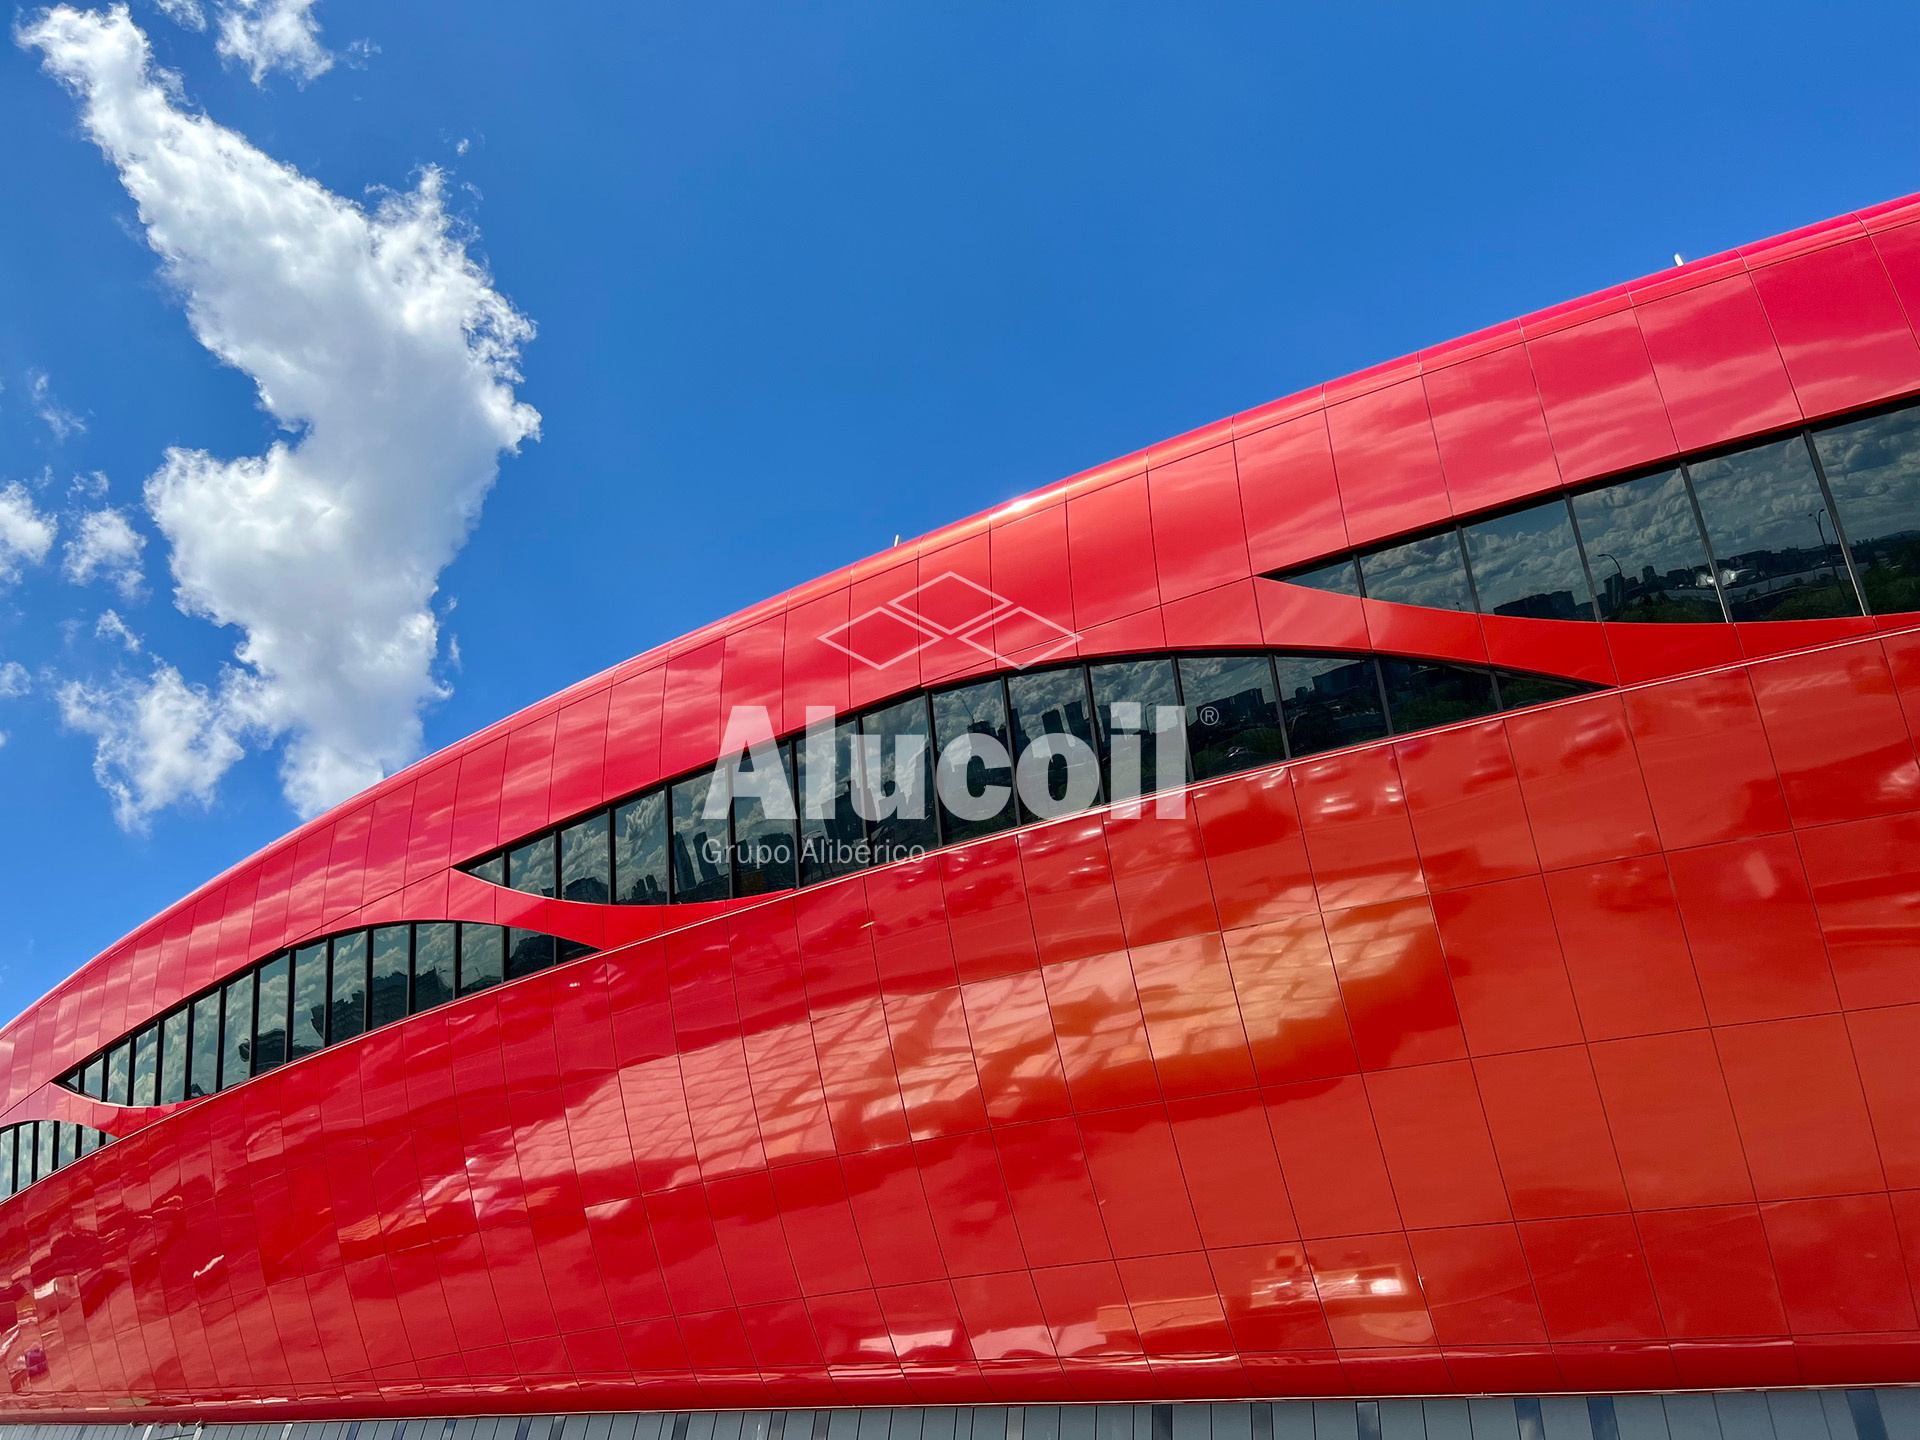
<point>383,344</point>
<point>159,742</point>
<point>111,627</point>
<point>269,35</point>
<point>14,681</point>
<point>60,420</point>
<point>184,12</point>
<point>107,547</point>
<point>25,534</point>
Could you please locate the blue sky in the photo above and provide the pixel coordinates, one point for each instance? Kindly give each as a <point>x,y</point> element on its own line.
<point>802,278</point>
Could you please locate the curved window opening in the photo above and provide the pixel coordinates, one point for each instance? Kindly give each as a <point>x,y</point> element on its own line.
<point>941,767</point>
<point>298,1001</point>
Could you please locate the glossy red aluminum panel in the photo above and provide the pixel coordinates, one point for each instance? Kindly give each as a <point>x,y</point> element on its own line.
<point>1568,1049</point>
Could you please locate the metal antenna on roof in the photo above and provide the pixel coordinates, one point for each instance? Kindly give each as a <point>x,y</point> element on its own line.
<point>1676,258</point>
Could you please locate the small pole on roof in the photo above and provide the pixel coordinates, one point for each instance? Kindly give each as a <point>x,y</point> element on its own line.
<point>1676,258</point>
<point>896,540</point>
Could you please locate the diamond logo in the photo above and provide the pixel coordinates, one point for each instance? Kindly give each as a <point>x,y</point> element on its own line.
<point>951,603</point>
<point>947,607</point>
<point>880,638</point>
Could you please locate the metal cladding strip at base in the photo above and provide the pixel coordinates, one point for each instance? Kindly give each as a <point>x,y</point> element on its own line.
<point>1885,1414</point>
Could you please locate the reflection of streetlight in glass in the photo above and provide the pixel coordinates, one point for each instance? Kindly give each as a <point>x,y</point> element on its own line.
<point>1819,518</point>
<point>1618,571</point>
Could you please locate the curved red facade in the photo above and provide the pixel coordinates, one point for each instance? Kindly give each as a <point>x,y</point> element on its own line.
<point>1568,1047</point>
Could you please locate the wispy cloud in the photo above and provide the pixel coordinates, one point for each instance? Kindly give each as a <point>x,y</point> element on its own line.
<point>26,535</point>
<point>111,627</point>
<point>269,35</point>
<point>183,12</point>
<point>107,547</point>
<point>60,420</point>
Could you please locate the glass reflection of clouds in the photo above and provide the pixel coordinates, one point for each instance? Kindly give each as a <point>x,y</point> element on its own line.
<point>1774,541</point>
<point>1528,563</point>
<point>1872,467</point>
<point>1429,571</point>
<point>1644,543</point>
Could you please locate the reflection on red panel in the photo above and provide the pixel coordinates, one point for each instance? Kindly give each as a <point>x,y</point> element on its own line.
<point>1493,437</point>
<point>1719,370</point>
<point>1387,463</point>
<point>1603,405</point>
<point>1570,1049</point>
<point>1288,494</point>
<point>1841,329</point>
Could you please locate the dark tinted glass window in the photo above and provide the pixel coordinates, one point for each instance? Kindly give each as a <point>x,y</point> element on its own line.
<point>173,1058</point>
<point>146,1066</point>
<point>94,1081</point>
<point>89,1140</point>
<point>701,868</point>
<point>530,867</point>
<point>833,837</point>
<point>1873,470</point>
<point>347,1010</point>
<point>1421,572</point>
<point>483,956</point>
<point>1517,690</point>
<point>7,1137</point>
<point>1338,576</point>
<point>1644,548</point>
<point>763,843</point>
<point>270,1016</point>
<point>309,1000</point>
<point>1528,564</point>
<point>203,1075</point>
<point>433,963</point>
<point>1149,709</point>
<point>896,774</point>
<point>69,1143</point>
<point>586,862</point>
<point>640,851</point>
<point>120,1074</point>
<point>1421,695</point>
<point>1773,539</point>
<point>236,1030</point>
<point>1233,713</point>
<point>493,870</point>
<point>1056,767</point>
<point>49,1139</point>
<point>387,994</point>
<point>974,775</point>
<point>528,951</point>
<point>1329,701</point>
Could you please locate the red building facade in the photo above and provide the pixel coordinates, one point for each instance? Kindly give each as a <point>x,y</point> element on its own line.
<point>1509,981</point>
